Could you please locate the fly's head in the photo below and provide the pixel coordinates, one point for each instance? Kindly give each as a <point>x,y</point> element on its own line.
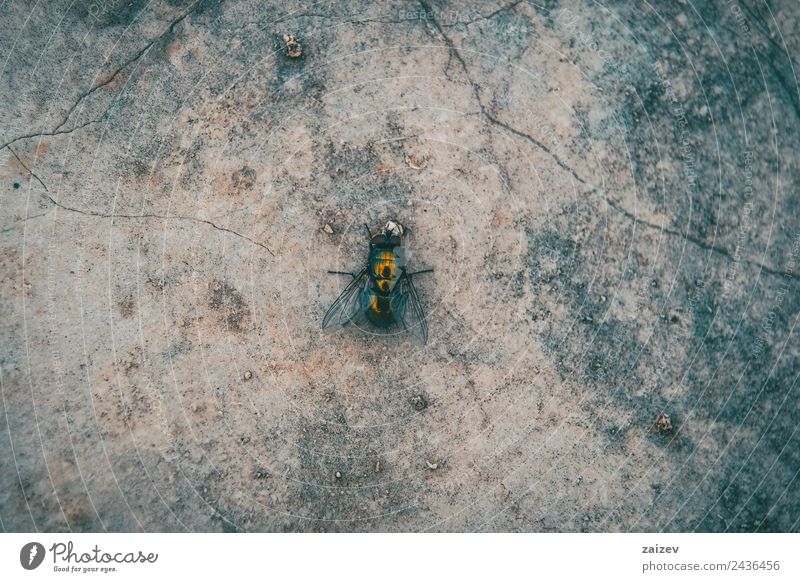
<point>393,229</point>
<point>391,235</point>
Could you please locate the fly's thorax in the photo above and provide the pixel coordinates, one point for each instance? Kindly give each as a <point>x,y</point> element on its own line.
<point>386,265</point>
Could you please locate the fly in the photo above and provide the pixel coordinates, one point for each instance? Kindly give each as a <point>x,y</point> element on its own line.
<point>383,291</point>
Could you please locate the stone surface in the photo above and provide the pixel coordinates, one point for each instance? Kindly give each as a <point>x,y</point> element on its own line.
<point>607,194</point>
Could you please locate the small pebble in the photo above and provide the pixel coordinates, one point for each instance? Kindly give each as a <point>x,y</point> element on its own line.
<point>338,474</point>
<point>414,162</point>
<point>293,49</point>
<point>663,423</point>
<point>248,374</point>
<point>328,228</point>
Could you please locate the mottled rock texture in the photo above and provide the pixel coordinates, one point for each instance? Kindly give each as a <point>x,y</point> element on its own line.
<point>608,194</point>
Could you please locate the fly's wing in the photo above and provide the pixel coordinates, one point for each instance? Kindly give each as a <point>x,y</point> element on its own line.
<point>407,308</point>
<point>350,302</point>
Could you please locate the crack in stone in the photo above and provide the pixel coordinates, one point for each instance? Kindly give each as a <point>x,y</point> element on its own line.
<point>54,133</point>
<point>377,20</point>
<point>139,55</point>
<point>27,169</point>
<point>566,167</point>
<point>130,216</point>
<point>489,16</point>
<point>161,217</point>
<point>15,224</point>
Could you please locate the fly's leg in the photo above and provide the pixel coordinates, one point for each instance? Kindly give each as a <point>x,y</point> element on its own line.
<point>420,272</point>
<point>369,234</point>
<point>342,273</point>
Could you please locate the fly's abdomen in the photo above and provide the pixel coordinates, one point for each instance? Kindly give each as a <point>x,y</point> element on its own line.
<point>380,309</point>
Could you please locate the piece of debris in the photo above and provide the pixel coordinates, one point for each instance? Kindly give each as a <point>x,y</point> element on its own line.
<point>432,466</point>
<point>377,466</point>
<point>419,402</point>
<point>328,228</point>
<point>247,375</point>
<point>663,423</point>
<point>382,169</point>
<point>338,474</point>
<point>415,162</point>
<point>293,48</point>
